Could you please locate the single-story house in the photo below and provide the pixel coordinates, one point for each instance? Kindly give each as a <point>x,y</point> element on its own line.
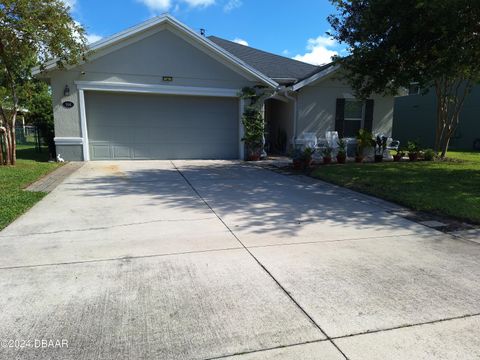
<point>416,119</point>
<point>160,90</point>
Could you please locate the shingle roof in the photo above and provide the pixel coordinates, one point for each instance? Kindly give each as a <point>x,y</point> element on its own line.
<point>279,68</point>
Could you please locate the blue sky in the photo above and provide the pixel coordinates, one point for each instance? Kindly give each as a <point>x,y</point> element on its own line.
<point>293,28</point>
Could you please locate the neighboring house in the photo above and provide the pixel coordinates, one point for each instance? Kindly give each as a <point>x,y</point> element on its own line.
<point>416,119</point>
<point>161,91</point>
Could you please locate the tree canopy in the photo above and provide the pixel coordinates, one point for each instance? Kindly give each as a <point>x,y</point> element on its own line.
<point>32,32</point>
<point>435,43</point>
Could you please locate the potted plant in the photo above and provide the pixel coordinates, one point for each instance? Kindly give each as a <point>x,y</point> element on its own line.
<point>413,150</point>
<point>297,159</point>
<point>253,137</point>
<point>342,151</point>
<point>364,141</point>
<point>380,147</point>
<point>327,155</point>
<point>307,156</point>
<point>399,155</point>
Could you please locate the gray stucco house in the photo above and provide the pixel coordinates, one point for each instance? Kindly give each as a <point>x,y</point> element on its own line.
<point>159,90</point>
<point>416,119</point>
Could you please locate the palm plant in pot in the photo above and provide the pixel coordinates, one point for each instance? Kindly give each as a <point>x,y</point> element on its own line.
<point>342,151</point>
<point>399,155</point>
<point>307,156</point>
<point>297,159</point>
<point>413,150</point>
<point>253,137</point>
<point>327,155</point>
<point>364,141</point>
<point>380,147</point>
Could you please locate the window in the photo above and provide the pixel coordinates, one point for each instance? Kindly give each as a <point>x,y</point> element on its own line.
<point>354,115</point>
<point>414,89</point>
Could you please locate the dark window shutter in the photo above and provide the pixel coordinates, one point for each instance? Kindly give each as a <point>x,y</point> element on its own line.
<point>340,117</point>
<point>368,123</point>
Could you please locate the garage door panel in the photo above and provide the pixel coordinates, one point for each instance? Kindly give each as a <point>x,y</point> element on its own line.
<point>137,126</point>
<point>101,151</point>
<point>184,135</point>
<point>142,152</point>
<point>122,152</point>
<point>117,134</point>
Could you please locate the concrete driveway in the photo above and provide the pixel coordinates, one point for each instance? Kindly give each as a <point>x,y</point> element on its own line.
<point>214,260</point>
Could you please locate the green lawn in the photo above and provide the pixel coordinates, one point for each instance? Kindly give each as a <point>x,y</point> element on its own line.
<point>29,152</point>
<point>14,201</point>
<point>449,188</point>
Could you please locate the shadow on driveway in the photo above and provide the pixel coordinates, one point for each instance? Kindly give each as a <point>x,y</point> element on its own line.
<point>247,197</point>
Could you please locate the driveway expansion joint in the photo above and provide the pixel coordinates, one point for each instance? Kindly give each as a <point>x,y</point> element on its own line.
<point>106,227</point>
<point>406,326</point>
<point>285,291</point>
<point>124,258</point>
<point>337,240</point>
<point>267,349</point>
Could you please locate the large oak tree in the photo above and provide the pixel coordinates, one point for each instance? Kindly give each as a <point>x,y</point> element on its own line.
<point>393,43</point>
<point>32,32</point>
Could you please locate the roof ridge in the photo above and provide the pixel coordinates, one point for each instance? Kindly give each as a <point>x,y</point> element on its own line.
<point>266,52</point>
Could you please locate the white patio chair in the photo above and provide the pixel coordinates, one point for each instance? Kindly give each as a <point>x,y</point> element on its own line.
<point>307,139</point>
<point>332,139</point>
<point>393,144</point>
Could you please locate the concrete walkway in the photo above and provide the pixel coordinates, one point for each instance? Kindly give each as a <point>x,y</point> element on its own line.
<point>223,260</point>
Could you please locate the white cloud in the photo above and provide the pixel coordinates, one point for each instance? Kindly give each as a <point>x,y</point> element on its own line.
<point>157,5</point>
<point>70,3</point>
<point>91,38</point>
<point>240,41</point>
<point>232,5</point>
<point>286,52</point>
<point>199,3</point>
<point>318,52</point>
<point>166,5</point>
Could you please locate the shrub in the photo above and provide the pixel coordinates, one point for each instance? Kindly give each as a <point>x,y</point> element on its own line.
<point>429,155</point>
<point>413,146</point>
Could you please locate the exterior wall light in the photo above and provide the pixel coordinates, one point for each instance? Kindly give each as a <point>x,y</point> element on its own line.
<point>66,91</point>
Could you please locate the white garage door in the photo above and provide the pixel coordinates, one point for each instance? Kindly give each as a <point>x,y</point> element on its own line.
<point>163,127</point>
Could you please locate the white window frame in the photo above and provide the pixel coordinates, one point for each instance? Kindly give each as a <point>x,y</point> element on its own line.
<point>362,119</point>
<point>410,93</point>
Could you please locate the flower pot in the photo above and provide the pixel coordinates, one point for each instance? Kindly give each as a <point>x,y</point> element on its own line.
<point>307,162</point>
<point>341,158</point>
<point>413,156</point>
<point>298,165</point>
<point>327,160</point>
<point>397,158</point>
<point>253,157</point>
<point>359,159</point>
<point>378,158</point>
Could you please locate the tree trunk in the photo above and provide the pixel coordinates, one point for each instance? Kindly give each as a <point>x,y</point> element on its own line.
<point>1,146</point>
<point>7,145</point>
<point>440,124</point>
<point>13,150</point>
<point>3,137</point>
<point>445,147</point>
<point>449,106</point>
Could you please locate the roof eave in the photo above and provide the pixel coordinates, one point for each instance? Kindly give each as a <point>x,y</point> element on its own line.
<point>315,77</point>
<point>52,64</point>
